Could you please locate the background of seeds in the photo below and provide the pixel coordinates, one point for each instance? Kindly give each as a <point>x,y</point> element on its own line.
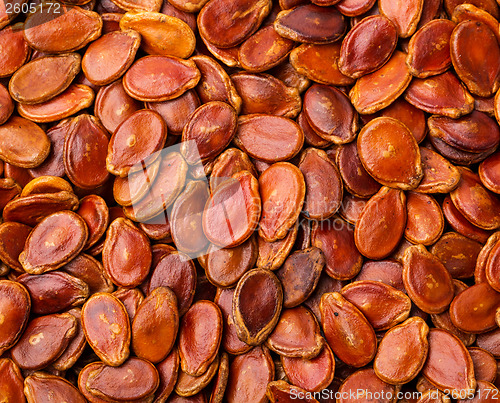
<point>353,250</point>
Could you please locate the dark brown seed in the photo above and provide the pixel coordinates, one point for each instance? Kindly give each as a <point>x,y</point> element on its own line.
<point>55,241</point>
<point>177,272</point>
<point>300,274</point>
<point>368,46</point>
<point>225,266</point>
<point>257,305</point>
<point>310,23</point>
<point>226,24</point>
<point>41,387</point>
<point>44,340</point>
<point>54,292</point>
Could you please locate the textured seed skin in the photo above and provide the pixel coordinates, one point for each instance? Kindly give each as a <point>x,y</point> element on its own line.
<point>44,340</point>
<point>411,336</point>
<point>286,343</point>
<point>247,201</point>
<point>65,67</point>
<point>107,328</point>
<point>397,304</point>
<point>390,153</point>
<point>354,345</point>
<point>446,349</point>
<point>157,316</point>
<point>15,306</point>
<point>367,47</point>
<point>200,335</point>
<point>253,322</point>
<point>277,220</point>
<point>42,252</point>
<point>374,238</point>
